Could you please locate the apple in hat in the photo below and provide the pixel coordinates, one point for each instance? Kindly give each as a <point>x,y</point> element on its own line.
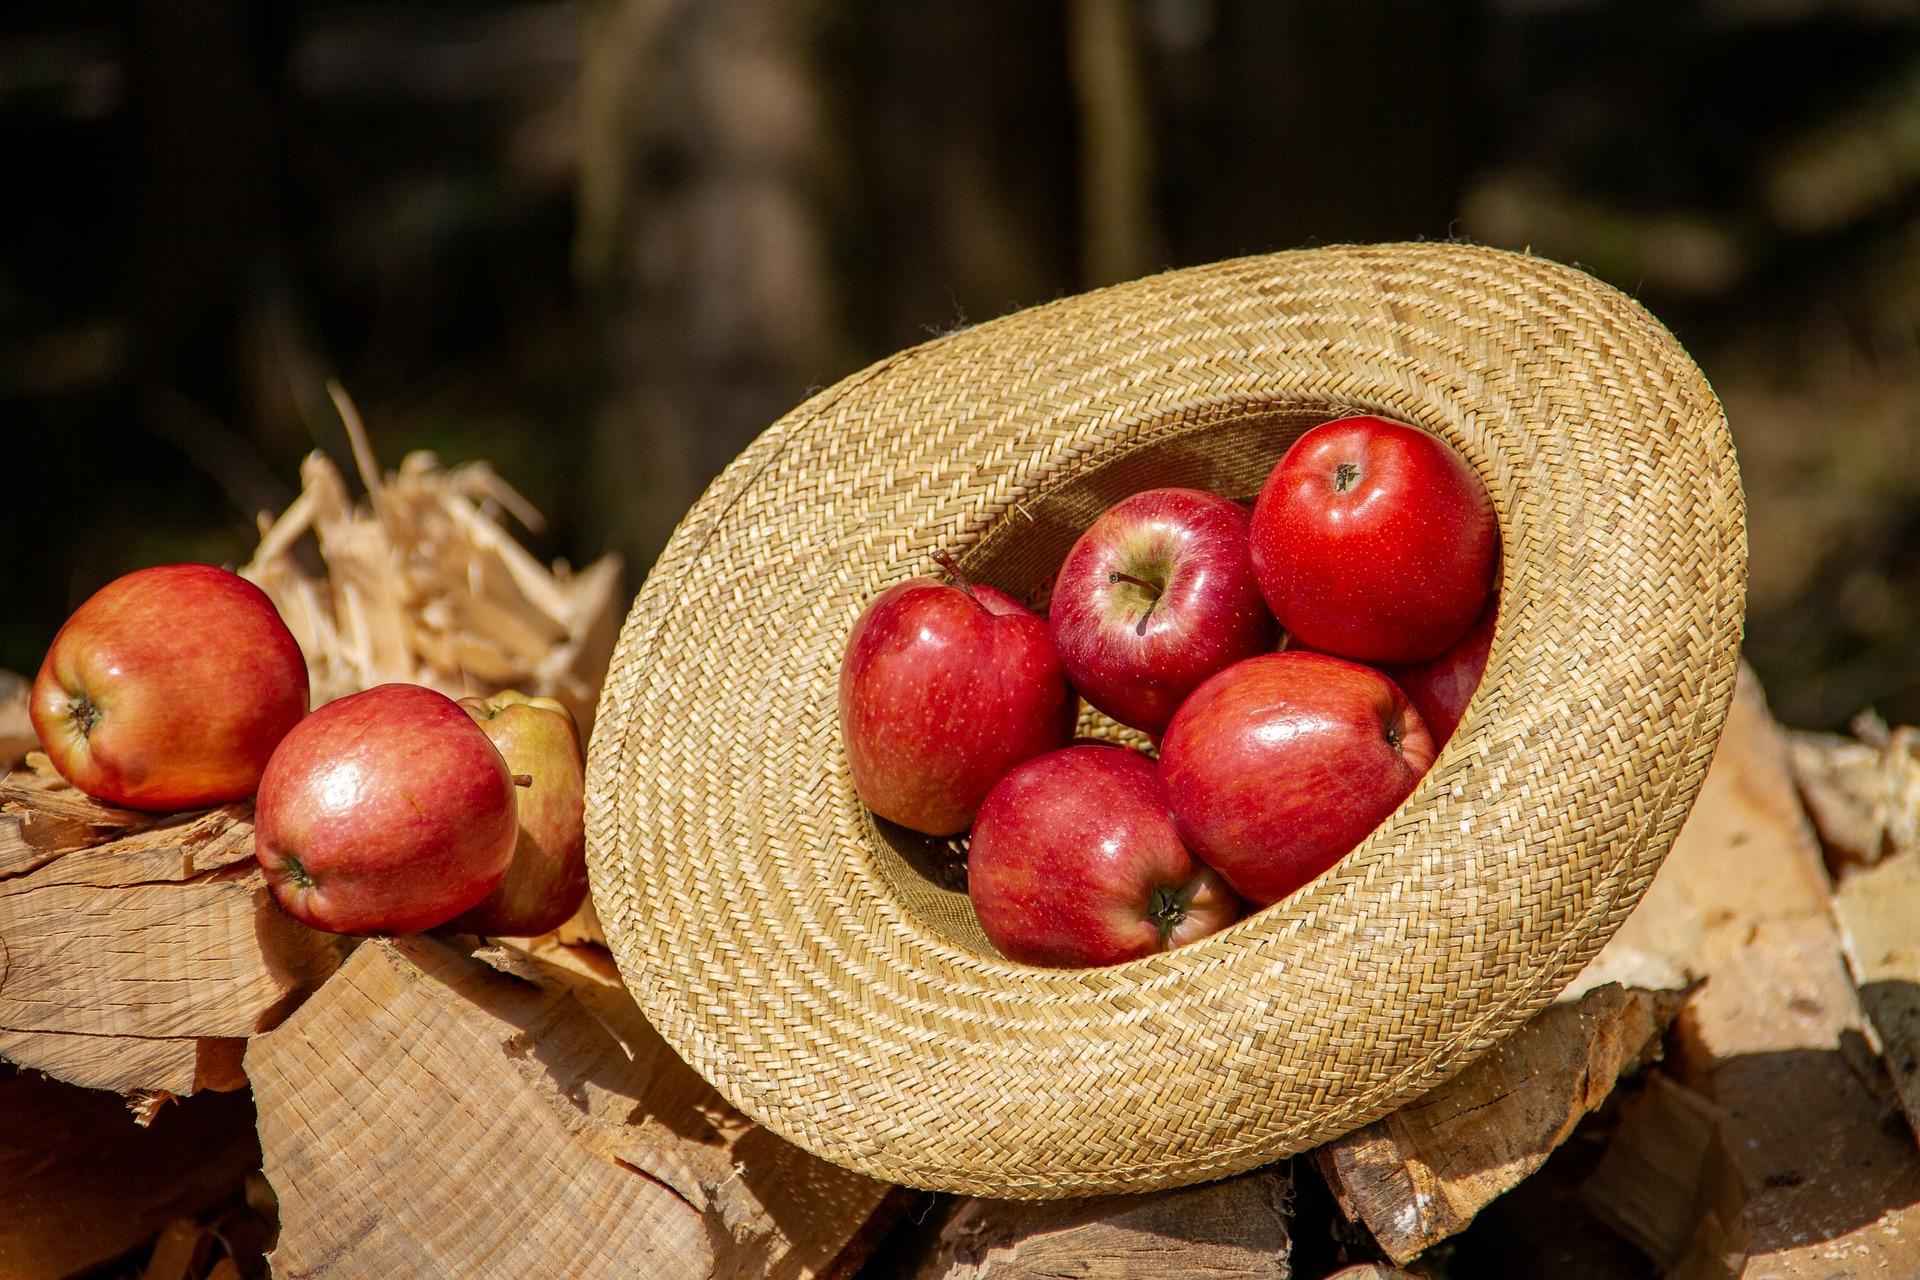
<point>1441,688</point>
<point>169,689</point>
<point>1375,541</point>
<point>385,812</point>
<point>1157,595</point>
<point>547,880</point>
<point>1075,862</point>
<point>945,687</point>
<point>1278,766</point>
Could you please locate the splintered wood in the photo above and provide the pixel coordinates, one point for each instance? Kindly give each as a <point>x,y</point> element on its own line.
<point>1421,1174</point>
<point>137,952</point>
<point>428,1115</point>
<point>1863,793</point>
<point>422,583</point>
<point>1825,1180</point>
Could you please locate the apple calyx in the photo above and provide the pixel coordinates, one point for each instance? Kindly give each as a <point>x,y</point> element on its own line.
<point>1154,592</point>
<point>83,713</point>
<point>296,871</point>
<point>1345,475</point>
<point>1167,908</point>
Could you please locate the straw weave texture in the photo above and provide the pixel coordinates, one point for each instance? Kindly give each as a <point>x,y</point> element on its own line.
<point>825,971</point>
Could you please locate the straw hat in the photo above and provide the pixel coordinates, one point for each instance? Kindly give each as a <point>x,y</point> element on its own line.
<point>826,972</point>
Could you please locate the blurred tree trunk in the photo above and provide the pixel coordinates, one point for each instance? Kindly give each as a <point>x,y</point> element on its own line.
<point>1119,229</point>
<point>702,239</point>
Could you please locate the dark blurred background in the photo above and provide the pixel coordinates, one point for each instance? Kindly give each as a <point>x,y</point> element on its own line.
<point>604,244</point>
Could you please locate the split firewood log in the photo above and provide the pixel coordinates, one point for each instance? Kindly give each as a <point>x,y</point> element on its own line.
<point>1879,912</point>
<point>82,1183</point>
<point>1825,1180</point>
<point>137,952</point>
<point>428,1114</point>
<point>1219,1231</point>
<point>1421,1174</point>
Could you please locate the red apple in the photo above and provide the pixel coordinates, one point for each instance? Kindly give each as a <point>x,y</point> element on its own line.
<point>943,689</point>
<point>1278,766</point>
<point>1075,862</point>
<point>169,689</point>
<point>1157,595</point>
<point>387,811</point>
<point>1440,689</point>
<point>1375,541</point>
<point>548,879</point>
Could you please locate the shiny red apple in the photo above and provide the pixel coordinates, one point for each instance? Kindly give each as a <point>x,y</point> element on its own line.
<point>169,689</point>
<point>1075,862</point>
<point>1441,688</point>
<point>547,881</point>
<point>1375,541</point>
<point>942,690</point>
<point>1157,595</point>
<point>385,812</point>
<point>1278,766</point>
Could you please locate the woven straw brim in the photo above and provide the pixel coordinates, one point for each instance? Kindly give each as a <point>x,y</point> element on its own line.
<point>826,972</point>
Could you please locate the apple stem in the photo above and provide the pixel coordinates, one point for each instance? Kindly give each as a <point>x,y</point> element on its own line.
<point>960,580</point>
<point>1144,585</point>
<point>522,779</point>
<point>1167,907</point>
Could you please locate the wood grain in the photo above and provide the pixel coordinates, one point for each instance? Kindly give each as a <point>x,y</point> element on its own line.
<point>428,1114</point>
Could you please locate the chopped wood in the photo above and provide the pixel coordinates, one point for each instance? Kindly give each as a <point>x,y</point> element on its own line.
<point>1668,1184</point>
<point>82,1183</point>
<point>1863,793</point>
<point>548,1130</point>
<point>180,1251</point>
<point>1420,1175</point>
<point>16,728</point>
<point>1236,1228</point>
<point>1879,912</point>
<point>422,582</point>
<point>137,963</point>
<point>1372,1271</point>
<point>1774,1038</point>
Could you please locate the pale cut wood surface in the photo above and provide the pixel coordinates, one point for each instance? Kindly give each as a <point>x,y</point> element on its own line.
<point>1879,912</point>
<point>1232,1230</point>
<point>135,964</point>
<point>1421,1174</point>
<point>426,1114</point>
<point>1774,1037</point>
<point>1862,793</point>
<point>81,1182</point>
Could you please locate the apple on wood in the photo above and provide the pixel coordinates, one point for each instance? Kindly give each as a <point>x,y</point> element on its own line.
<point>1375,541</point>
<point>1157,595</point>
<point>385,812</point>
<point>1278,766</point>
<point>945,687</point>
<point>547,880</point>
<point>169,689</point>
<point>1075,862</point>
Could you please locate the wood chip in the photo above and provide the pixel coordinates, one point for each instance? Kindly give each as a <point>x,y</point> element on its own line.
<point>1420,1175</point>
<point>1220,1231</point>
<point>16,729</point>
<point>572,1140</point>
